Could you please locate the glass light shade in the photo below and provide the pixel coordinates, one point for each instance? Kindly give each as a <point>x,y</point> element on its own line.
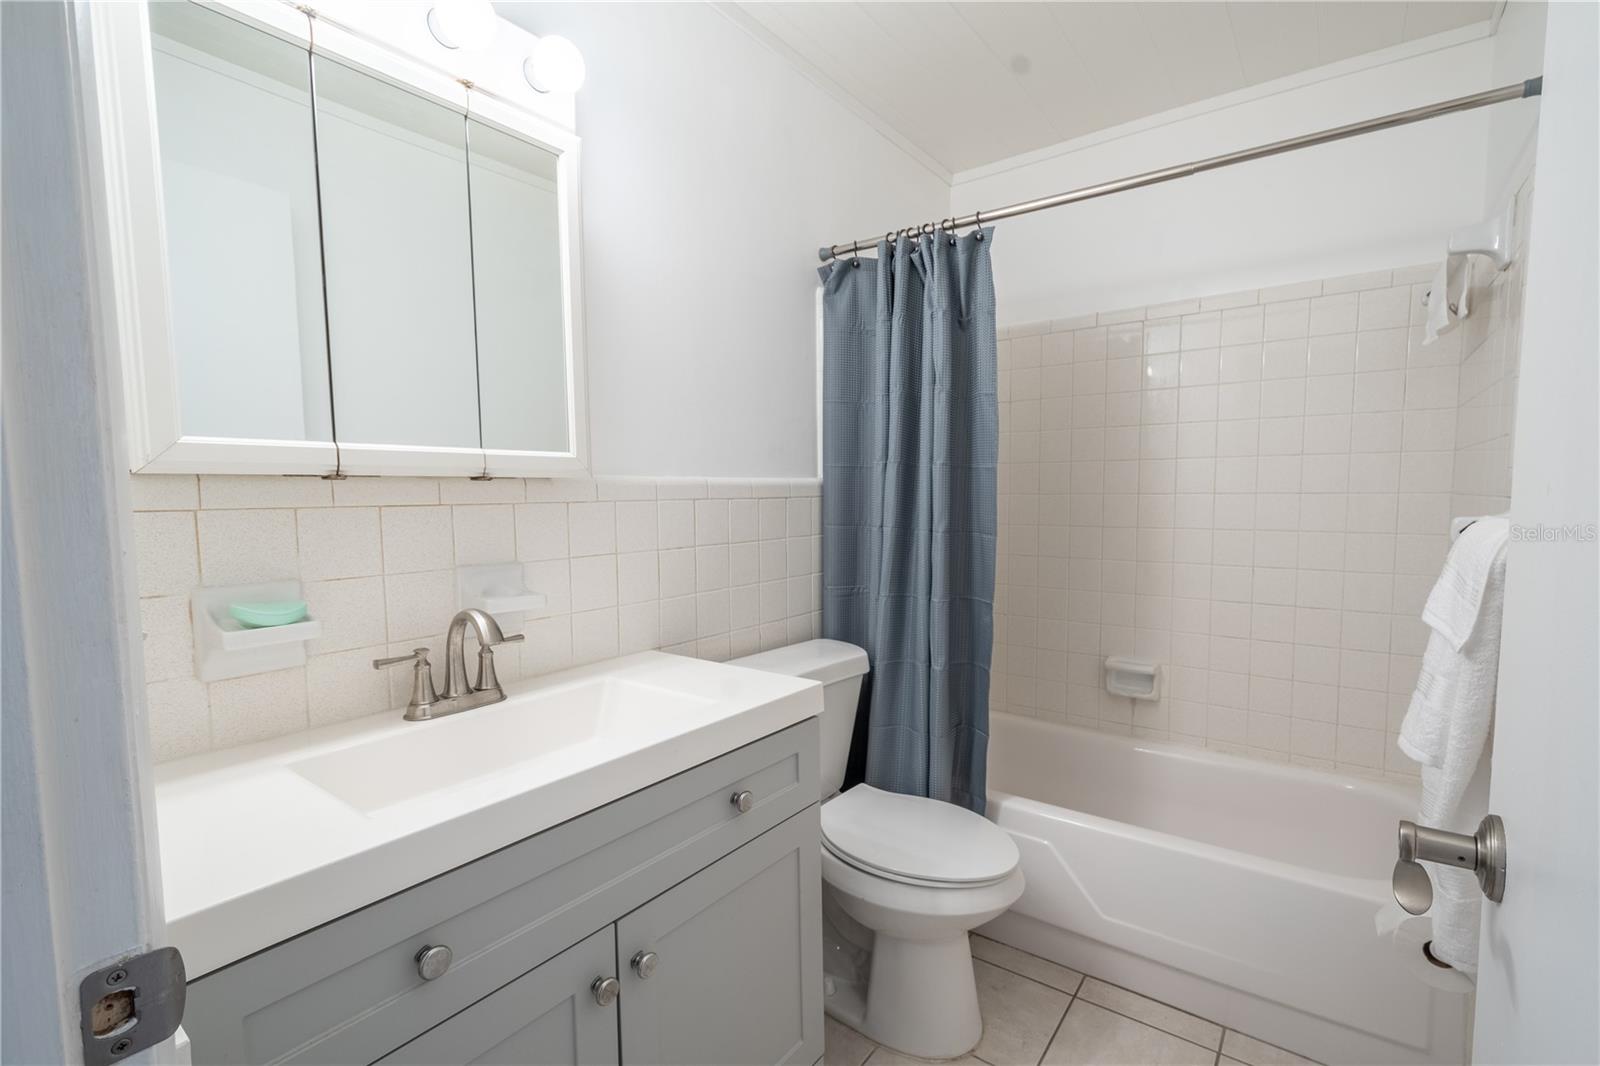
<point>467,24</point>
<point>554,66</point>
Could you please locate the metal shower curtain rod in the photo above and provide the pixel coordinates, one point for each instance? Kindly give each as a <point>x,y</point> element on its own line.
<point>1518,91</point>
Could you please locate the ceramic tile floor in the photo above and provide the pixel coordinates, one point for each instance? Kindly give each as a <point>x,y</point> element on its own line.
<point>1036,1013</point>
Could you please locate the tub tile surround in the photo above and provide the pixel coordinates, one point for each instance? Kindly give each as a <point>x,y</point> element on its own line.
<point>1036,1013</point>
<point>709,567</point>
<point>1254,490</point>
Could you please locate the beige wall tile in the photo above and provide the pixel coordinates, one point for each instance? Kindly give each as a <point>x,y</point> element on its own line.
<point>239,547</point>
<point>417,538</point>
<point>257,707</point>
<point>339,542</point>
<point>254,492</point>
<point>179,713</point>
<point>166,552</point>
<point>165,492</point>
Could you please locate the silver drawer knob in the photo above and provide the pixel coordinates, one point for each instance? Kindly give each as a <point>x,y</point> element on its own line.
<point>605,990</point>
<point>644,964</point>
<point>743,800</point>
<point>433,961</point>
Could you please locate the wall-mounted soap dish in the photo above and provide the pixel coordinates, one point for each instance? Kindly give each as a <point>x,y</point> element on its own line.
<point>498,588</point>
<point>225,647</point>
<point>1136,679</point>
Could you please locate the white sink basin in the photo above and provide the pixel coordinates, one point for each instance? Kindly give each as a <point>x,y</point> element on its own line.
<point>473,746</point>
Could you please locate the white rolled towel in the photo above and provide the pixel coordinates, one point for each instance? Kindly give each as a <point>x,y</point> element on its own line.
<point>1447,724</point>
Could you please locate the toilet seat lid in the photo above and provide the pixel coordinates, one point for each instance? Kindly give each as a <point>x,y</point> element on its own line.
<point>917,838</point>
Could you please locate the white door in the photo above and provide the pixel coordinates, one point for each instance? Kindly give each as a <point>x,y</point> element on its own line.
<point>1539,973</point>
<point>81,884</point>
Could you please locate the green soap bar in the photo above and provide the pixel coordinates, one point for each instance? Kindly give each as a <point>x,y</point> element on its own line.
<point>262,615</point>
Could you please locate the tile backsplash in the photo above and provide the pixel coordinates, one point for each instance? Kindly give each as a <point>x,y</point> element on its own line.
<point>714,568</point>
<point>1254,490</point>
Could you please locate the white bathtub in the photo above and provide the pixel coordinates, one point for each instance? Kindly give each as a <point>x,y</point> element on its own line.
<point>1240,890</point>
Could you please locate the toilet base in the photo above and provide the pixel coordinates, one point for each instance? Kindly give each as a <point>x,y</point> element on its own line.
<point>899,961</point>
<point>922,998</point>
<point>912,996</point>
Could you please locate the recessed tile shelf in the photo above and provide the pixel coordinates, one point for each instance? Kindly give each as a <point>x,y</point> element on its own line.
<point>224,648</point>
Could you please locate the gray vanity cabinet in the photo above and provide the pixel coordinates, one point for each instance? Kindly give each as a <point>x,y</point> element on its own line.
<point>715,869</point>
<point>725,968</point>
<point>547,1017</point>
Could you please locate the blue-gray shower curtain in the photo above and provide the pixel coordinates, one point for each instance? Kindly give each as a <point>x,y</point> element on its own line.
<point>910,444</point>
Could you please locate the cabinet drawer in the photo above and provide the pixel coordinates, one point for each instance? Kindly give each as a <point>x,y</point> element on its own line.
<point>350,992</point>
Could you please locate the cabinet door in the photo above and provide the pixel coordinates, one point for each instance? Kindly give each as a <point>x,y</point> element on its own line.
<point>397,248</point>
<point>548,1016</point>
<point>247,362</point>
<point>738,958</point>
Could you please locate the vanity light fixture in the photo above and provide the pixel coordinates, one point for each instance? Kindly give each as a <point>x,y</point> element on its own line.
<point>554,66</point>
<point>469,24</point>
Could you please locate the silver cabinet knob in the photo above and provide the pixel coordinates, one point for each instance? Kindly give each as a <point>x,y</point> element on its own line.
<point>644,964</point>
<point>433,961</point>
<point>1484,853</point>
<point>606,990</point>
<point>743,800</point>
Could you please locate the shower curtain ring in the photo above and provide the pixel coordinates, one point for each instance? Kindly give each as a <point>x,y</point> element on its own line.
<point>977,220</point>
<point>855,253</point>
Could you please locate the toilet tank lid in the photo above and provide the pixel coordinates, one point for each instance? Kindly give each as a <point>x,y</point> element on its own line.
<point>826,661</point>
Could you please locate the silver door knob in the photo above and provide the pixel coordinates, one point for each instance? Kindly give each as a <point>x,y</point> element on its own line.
<point>606,990</point>
<point>1484,853</point>
<point>644,964</point>
<point>743,800</point>
<point>433,961</point>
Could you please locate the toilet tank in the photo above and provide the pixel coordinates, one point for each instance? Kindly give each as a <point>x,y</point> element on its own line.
<point>840,667</point>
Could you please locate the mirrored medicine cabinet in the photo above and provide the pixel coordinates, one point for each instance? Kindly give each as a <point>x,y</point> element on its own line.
<point>330,257</point>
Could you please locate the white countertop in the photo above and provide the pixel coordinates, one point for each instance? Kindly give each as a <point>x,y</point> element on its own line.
<point>253,852</point>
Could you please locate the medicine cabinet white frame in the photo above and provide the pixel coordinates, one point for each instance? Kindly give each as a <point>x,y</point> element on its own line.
<point>130,239</point>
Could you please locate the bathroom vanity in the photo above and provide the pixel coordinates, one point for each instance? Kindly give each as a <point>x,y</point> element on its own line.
<point>617,864</point>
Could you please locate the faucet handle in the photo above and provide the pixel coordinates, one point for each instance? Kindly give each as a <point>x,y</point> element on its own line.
<point>423,695</point>
<point>418,655</point>
<point>488,680</point>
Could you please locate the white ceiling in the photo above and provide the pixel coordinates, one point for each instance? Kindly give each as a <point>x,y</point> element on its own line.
<point>971,83</point>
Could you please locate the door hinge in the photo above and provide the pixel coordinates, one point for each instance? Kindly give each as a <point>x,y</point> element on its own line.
<point>130,1005</point>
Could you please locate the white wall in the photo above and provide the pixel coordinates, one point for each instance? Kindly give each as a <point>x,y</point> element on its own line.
<point>1518,55</point>
<point>1355,206</point>
<point>712,171</point>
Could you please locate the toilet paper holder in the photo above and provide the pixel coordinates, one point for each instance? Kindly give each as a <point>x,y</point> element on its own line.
<point>1484,853</point>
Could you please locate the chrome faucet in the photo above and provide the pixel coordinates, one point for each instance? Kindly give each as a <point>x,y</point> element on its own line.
<point>425,702</point>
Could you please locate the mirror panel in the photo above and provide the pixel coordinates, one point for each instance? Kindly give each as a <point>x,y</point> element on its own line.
<point>524,382</point>
<point>398,256</point>
<point>238,169</point>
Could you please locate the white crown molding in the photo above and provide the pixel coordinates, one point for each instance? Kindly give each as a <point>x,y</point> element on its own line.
<point>1369,61</point>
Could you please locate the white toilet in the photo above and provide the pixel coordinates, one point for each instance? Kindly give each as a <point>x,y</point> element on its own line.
<point>905,879</point>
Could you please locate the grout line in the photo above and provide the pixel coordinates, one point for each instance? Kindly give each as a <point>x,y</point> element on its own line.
<point>1048,1044</point>
<point>1035,980</point>
<point>1157,1028</point>
<point>1164,1003</point>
